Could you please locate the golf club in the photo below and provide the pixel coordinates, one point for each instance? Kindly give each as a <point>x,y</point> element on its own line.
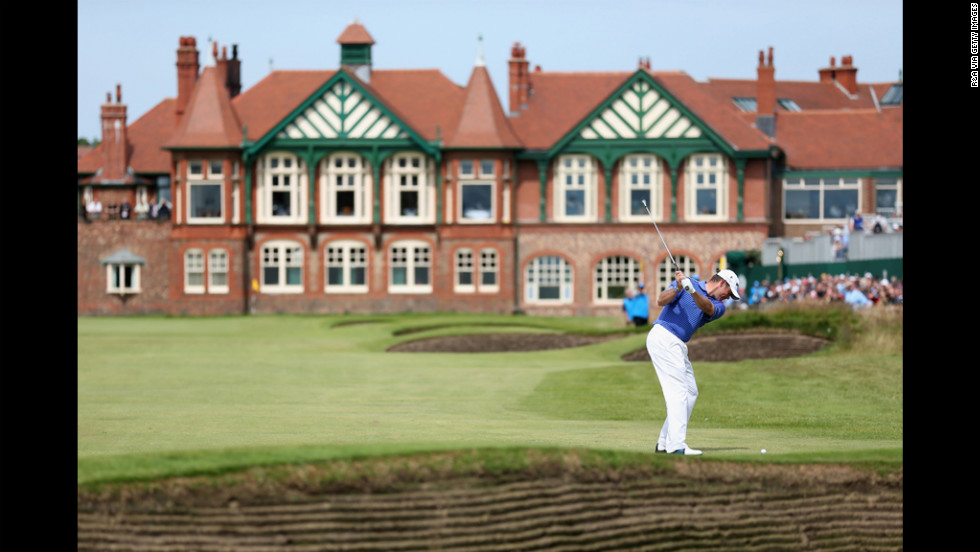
<point>659,234</point>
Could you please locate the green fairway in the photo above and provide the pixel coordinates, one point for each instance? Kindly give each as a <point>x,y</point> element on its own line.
<point>165,396</point>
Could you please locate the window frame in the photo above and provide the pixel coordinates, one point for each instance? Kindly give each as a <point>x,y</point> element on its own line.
<point>565,176</point>
<point>347,263</point>
<point>283,264</point>
<point>665,270</point>
<point>361,182</point>
<point>201,177</point>
<point>194,266</point>
<point>692,186</point>
<point>654,187</point>
<point>491,266</point>
<point>114,270</point>
<point>535,272</point>
<point>603,274</point>
<point>424,174</point>
<point>820,186</point>
<point>464,262</point>
<point>218,263</point>
<point>411,264</point>
<point>272,168</point>
<point>461,213</point>
<point>893,184</point>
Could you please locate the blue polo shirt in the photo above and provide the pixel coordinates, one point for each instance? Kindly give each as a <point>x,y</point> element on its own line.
<point>682,317</point>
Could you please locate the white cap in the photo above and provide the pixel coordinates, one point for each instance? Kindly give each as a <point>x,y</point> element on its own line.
<point>732,280</point>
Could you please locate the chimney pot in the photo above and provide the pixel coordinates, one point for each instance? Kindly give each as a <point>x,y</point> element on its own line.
<point>118,93</point>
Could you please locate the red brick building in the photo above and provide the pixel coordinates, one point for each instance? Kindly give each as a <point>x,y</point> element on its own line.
<point>370,191</point>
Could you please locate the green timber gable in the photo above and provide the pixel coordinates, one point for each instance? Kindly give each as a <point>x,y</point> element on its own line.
<point>642,117</point>
<point>341,115</point>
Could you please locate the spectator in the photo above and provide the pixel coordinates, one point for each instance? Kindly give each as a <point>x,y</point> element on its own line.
<point>855,297</point>
<point>756,293</point>
<point>125,210</point>
<point>880,224</point>
<point>856,224</point>
<point>838,244</point>
<point>163,210</point>
<point>628,306</point>
<point>640,307</point>
<point>142,209</point>
<point>94,208</point>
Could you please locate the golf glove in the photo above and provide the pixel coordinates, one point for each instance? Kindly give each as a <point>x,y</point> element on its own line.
<point>687,285</point>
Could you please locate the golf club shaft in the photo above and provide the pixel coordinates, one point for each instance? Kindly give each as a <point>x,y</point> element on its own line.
<point>661,235</point>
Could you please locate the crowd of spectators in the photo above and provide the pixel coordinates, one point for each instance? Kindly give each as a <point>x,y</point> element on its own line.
<point>858,291</point>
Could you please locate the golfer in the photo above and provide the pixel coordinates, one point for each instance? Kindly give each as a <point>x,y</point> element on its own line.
<point>686,306</point>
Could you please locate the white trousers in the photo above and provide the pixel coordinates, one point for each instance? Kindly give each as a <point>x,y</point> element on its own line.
<point>676,375</point>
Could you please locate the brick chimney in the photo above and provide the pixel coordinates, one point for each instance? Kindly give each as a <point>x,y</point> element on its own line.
<point>829,74</point>
<point>234,82</point>
<point>845,75</point>
<point>114,139</point>
<point>188,68</point>
<point>765,95</point>
<point>519,80</point>
<point>228,69</point>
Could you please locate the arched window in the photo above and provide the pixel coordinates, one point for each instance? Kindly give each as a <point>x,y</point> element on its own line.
<point>346,267</point>
<point>548,279</point>
<point>665,274</point>
<point>613,276</point>
<point>282,267</point>
<point>410,267</point>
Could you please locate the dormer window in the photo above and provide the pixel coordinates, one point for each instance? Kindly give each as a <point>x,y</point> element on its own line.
<point>745,104</point>
<point>788,104</point>
<point>893,96</point>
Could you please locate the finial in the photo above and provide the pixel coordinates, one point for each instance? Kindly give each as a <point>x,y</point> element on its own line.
<point>479,51</point>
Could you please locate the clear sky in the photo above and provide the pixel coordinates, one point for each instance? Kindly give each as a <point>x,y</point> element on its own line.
<point>134,43</point>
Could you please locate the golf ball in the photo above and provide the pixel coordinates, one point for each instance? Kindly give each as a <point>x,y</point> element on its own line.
<point>763,451</point>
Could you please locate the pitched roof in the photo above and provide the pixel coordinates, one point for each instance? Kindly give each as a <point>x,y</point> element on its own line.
<point>854,139</point>
<point>482,122</point>
<point>209,120</point>
<point>808,95</point>
<point>269,101</point>
<point>833,130</point>
<point>721,117</point>
<point>355,33</point>
<point>145,135</point>
<point>559,101</point>
<point>425,99</point>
